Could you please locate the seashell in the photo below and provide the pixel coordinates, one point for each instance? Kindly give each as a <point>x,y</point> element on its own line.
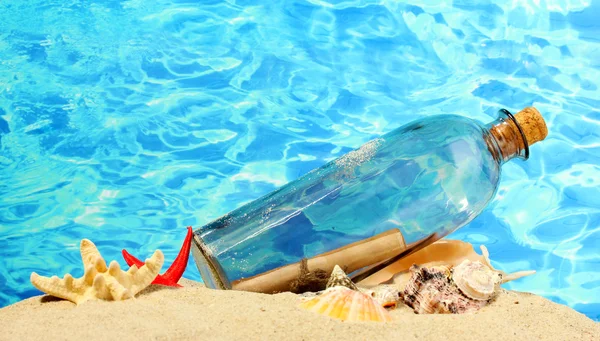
<point>464,288</point>
<point>431,291</point>
<point>339,278</point>
<point>476,280</point>
<point>100,281</point>
<point>442,252</point>
<point>479,280</point>
<point>346,304</point>
<point>387,296</point>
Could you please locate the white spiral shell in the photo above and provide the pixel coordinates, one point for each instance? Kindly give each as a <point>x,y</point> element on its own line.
<point>476,280</point>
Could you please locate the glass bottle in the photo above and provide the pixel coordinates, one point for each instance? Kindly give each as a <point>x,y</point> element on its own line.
<point>368,208</point>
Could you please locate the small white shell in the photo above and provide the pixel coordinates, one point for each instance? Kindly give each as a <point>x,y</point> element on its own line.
<point>388,296</point>
<point>476,280</point>
<point>480,281</point>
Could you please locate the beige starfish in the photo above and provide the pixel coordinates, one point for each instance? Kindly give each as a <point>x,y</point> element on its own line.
<point>99,281</point>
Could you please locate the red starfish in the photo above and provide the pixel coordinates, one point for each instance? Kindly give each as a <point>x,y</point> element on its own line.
<point>175,271</point>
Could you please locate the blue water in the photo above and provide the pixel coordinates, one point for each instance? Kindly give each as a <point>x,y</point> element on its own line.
<point>125,121</point>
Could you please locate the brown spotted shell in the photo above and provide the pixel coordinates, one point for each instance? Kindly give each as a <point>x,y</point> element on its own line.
<point>463,288</point>
<point>431,291</point>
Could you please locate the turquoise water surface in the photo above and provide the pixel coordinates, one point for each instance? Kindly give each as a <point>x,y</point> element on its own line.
<point>126,121</point>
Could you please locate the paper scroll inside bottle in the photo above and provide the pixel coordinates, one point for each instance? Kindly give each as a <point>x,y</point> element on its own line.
<point>350,257</point>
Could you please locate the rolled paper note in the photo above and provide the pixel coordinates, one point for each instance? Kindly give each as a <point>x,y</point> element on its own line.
<point>351,257</point>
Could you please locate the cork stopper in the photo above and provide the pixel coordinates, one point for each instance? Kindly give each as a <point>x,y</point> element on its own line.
<point>532,124</point>
<point>512,135</point>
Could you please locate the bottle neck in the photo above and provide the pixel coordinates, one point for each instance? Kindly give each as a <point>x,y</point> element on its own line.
<point>506,140</point>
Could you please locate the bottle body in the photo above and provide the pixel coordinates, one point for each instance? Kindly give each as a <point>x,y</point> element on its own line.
<point>424,179</point>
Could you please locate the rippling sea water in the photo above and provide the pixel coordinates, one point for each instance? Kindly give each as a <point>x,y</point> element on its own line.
<point>126,121</point>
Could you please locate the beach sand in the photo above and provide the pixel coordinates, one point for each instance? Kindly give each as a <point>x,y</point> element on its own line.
<point>197,313</point>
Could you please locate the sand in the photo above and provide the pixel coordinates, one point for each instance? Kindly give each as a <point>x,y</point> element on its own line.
<point>197,313</point>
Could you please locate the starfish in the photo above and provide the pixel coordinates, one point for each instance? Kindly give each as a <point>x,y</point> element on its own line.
<point>100,281</point>
<point>175,271</point>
